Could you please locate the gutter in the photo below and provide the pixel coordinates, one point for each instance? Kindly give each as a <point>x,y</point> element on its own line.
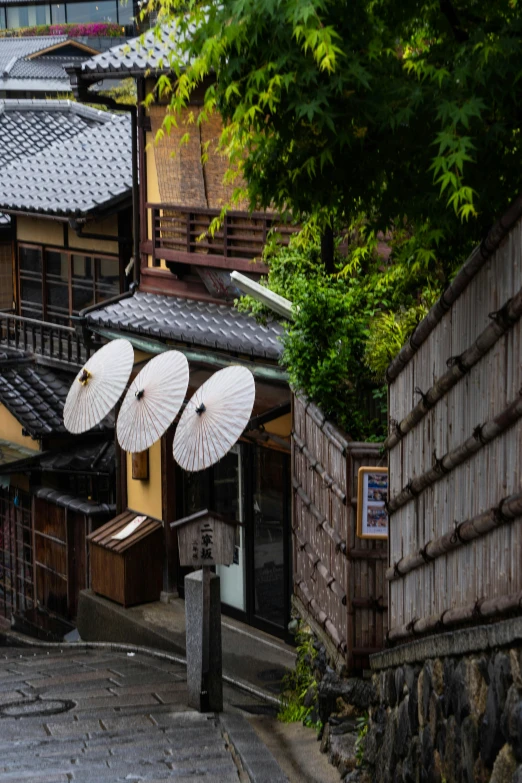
<point>261,371</point>
<point>82,94</point>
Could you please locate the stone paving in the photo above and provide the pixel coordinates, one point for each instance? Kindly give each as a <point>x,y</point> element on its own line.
<point>91,716</point>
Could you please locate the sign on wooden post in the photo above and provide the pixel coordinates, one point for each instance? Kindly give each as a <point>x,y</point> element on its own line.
<point>206,539</point>
<point>140,465</point>
<point>372,496</point>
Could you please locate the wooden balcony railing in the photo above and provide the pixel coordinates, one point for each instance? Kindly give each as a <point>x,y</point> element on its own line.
<point>238,244</point>
<point>57,344</point>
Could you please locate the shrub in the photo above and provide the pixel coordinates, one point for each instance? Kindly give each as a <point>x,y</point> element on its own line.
<point>90,30</point>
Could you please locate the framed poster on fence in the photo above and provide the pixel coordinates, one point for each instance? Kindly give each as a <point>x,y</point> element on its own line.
<point>372,494</point>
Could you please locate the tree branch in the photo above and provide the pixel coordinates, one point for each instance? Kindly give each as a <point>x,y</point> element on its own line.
<point>451,15</point>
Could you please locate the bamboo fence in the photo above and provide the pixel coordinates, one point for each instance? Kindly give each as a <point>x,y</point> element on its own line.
<point>455,449</point>
<point>338,577</point>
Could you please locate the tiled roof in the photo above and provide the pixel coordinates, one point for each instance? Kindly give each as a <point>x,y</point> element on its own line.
<point>34,395</point>
<point>44,67</point>
<point>12,452</point>
<point>73,177</point>
<point>87,507</point>
<point>187,321</point>
<point>21,67</point>
<point>146,53</point>
<point>13,49</point>
<point>29,126</point>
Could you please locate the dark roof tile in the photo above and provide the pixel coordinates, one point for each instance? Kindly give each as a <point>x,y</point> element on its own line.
<point>74,176</point>
<point>187,321</point>
<point>29,126</point>
<point>149,52</point>
<point>35,396</point>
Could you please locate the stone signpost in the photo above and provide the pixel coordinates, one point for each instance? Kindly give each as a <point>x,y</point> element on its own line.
<point>205,539</point>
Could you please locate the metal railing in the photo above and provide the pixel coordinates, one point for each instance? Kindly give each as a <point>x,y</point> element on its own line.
<point>55,342</point>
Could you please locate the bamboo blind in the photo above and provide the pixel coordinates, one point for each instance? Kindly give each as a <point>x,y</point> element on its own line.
<point>182,177</point>
<point>337,576</point>
<point>471,473</point>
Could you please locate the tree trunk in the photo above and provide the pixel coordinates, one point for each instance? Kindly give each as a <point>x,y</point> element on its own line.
<point>327,250</point>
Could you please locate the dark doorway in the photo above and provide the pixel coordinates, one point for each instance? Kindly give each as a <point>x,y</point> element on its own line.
<point>252,485</point>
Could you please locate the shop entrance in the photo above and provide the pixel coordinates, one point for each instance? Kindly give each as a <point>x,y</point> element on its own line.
<point>252,485</point>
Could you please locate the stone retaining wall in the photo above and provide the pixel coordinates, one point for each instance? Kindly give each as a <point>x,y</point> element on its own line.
<point>449,717</point>
<point>446,709</point>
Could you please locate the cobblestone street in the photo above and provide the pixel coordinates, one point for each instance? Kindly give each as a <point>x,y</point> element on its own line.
<point>102,715</point>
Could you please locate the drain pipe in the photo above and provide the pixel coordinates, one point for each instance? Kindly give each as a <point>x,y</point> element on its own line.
<point>82,94</point>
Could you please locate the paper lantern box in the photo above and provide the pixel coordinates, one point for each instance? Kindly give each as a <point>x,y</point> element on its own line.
<point>127,559</point>
<point>206,539</point>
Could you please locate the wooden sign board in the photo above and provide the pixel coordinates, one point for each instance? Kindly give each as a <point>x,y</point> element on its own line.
<point>372,495</point>
<point>206,539</point>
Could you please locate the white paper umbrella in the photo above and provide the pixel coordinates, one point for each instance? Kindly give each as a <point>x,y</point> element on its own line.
<point>214,418</point>
<point>153,401</point>
<point>98,386</point>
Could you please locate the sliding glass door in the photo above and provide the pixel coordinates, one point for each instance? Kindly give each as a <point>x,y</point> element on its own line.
<point>252,485</point>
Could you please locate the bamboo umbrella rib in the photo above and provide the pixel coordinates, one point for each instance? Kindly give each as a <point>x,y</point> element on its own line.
<point>98,386</point>
<point>502,321</point>
<point>152,401</point>
<point>214,418</point>
<point>482,436</point>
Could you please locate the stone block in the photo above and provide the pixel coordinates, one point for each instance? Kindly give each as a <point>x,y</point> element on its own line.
<point>469,746</point>
<point>424,688</point>
<point>356,692</point>
<point>342,752</point>
<point>212,700</point>
<point>511,720</point>
<point>491,737</point>
<point>504,767</point>
<point>517,777</point>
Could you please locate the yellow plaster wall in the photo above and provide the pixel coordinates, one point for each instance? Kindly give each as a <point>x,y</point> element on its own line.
<point>281,426</point>
<point>145,496</point>
<point>51,232</point>
<point>107,226</point>
<point>11,430</point>
<point>153,194</point>
<point>38,230</point>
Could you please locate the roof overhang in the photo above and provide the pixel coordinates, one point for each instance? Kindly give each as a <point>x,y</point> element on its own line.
<point>260,370</point>
<point>53,48</point>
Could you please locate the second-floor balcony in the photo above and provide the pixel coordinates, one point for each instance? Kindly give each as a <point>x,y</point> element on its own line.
<point>182,248</point>
<point>54,344</point>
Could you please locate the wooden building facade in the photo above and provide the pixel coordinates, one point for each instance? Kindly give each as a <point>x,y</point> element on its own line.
<point>455,449</point>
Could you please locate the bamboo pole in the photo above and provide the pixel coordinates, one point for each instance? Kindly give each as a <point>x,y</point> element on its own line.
<point>502,321</point>
<point>508,509</point>
<point>480,610</point>
<point>330,431</point>
<point>321,617</point>
<point>481,436</point>
<point>319,566</point>
<point>340,545</point>
<point>474,263</point>
<point>319,469</point>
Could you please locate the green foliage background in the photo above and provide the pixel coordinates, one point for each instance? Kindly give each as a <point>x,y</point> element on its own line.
<point>387,120</point>
<point>348,326</point>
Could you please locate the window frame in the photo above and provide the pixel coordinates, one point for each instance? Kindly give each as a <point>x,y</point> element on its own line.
<point>44,281</point>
